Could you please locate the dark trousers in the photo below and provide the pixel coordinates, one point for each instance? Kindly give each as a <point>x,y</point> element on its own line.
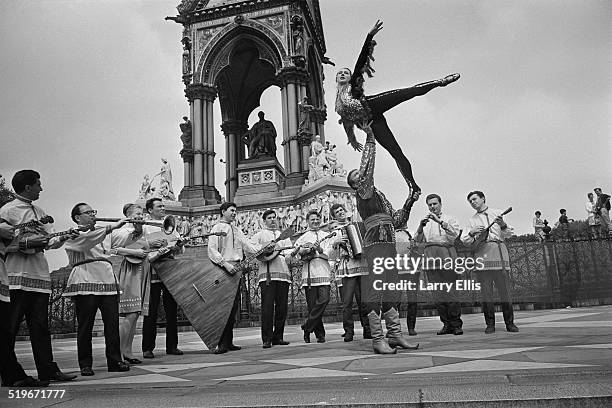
<point>10,369</point>
<point>381,103</point>
<point>351,287</point>
<point>86,307</point>
<point>149,323</point>
<point>448,308</point>
<point>227,337</point>
<point>273,309</point>
<point>35,307</point>
<point>317,298</point>
<point>500,278</point>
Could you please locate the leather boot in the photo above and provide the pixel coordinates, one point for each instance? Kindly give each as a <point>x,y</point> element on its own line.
<point>379,344</point>
<point>411,315</point>
<point>394,330</point>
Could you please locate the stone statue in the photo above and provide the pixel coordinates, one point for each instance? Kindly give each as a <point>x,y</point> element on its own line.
<point>317,162</point>
<point>186,133</point>
<point>305,111</point>
<point>298,41</point>
<point>146,191</point>
<point>186,55</point>
<point>261,138</point>
<point>335,168</point>
<point>165,182</point>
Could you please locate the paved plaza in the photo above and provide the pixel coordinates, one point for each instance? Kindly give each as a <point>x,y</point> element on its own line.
<point>558,356</point>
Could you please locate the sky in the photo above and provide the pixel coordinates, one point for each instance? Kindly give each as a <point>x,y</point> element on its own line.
<point>92,97</point>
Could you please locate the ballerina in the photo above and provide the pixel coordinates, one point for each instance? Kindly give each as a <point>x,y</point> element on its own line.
<point>366,112</point>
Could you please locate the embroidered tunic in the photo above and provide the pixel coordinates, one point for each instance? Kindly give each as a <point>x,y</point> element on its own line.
<point>276,268</point>
<point>439,240</point>
<point>494,251</point>
<point>340,261</point>
<point>97,277</point>
<point>316,272</point>
<point>151,232</point>
<point>4,283</point>
<point>29,272</point>
<point>229,248</point>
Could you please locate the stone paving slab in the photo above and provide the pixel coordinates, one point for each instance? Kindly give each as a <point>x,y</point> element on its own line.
<point>555,350</point>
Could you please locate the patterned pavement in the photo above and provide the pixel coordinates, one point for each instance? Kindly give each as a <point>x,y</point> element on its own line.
<point>550,340</point>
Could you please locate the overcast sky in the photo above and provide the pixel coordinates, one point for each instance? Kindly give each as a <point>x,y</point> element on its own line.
<point>92,98</point>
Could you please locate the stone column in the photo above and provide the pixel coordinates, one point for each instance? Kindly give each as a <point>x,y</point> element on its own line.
<point>292,79</point>
<point>233,130</point>
<point>202,186</point>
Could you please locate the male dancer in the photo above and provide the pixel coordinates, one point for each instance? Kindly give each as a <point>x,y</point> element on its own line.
<point>351,271</point>
<point>29,276</point>
<point>496,259</point>
<point>227,252</point>
<point>438,231</point>
<point>379,242</point>
<point>274,281</point>
<point>155,208</point>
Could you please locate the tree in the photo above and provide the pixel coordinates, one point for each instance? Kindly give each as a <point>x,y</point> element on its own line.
<point>6,194</point>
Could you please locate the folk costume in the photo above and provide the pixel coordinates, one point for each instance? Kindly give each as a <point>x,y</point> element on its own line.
<point>10,369</point>
<point>349,272</point>
<point>30,287</point>
<point>366,112</point>
<point>274,279</point>
<point>380,221</point>
<point>496,266</point>
<point>224,251</point>
<point>403,246</point>
<point>157,291</point>
<point>438,241</point>
<point>316,282</point>
<point>92,284</point>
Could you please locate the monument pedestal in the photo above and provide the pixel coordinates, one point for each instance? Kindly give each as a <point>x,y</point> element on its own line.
<point>259,179</point>
<point>196,196</point>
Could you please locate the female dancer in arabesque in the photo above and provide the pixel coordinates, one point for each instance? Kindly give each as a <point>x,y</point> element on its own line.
<point>355,108</point>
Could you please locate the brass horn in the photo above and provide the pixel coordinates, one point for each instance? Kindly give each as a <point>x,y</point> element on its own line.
<point>168,224</point>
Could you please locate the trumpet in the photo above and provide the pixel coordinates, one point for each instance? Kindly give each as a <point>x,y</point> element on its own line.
<point>168,224</point>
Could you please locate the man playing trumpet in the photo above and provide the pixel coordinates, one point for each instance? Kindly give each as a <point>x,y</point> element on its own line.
<point>155,208</point>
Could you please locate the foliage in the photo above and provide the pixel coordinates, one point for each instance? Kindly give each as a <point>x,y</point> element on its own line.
<point>6,194</point>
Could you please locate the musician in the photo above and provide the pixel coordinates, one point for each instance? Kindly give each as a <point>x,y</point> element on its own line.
<point>227,252</point>
<point>92,285</point>
<point>274,280</point>
<point>132,282</point>
<point>316,275</point>
<point>379,242</point>
<point>438,232</point>
<point>602,208</point>
<point>404,246</point>
<point>29,276</point>
<point>11,372</point>
<point>349,270</point>
<point>494,254</point>
<point>156,209</point>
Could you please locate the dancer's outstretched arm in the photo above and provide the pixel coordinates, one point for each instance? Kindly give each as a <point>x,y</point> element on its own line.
<point>365,185</point>
<point>363,65</point>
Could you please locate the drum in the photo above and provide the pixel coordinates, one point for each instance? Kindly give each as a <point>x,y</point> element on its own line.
<point>355,239</point>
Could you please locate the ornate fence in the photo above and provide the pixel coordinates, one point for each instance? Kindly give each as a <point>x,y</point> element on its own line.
<point>548,274</point>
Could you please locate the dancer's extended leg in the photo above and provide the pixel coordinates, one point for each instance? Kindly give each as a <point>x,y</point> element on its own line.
<point>385,138</point>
